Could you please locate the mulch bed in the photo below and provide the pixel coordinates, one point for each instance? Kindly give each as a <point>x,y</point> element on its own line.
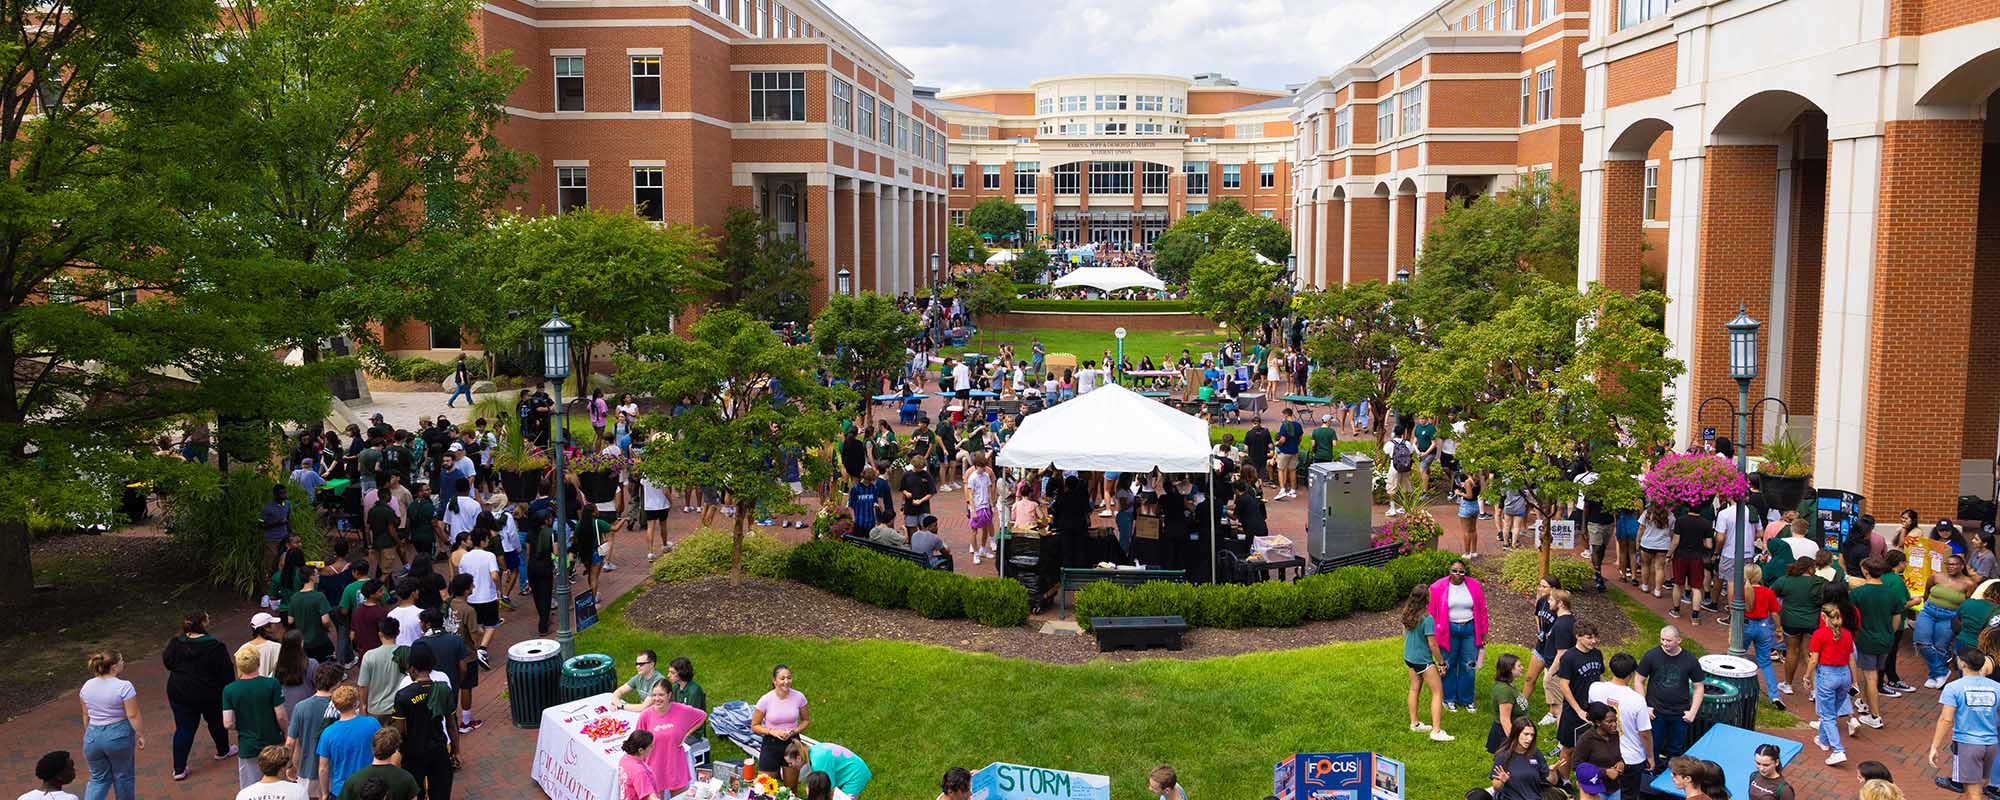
<point>784,608</point>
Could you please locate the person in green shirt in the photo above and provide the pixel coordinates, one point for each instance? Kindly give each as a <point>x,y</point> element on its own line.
<point>1881,610</point>
<point>423,531</point>
<point>1798,593</point>
<point>383,771</point>
<point>1426,435</point>
<point>1975,614</point>
<point>1897,561</point>
<point>312,617</point>
<point>645,676</point>
<point>254,707</point>
<point>369,464</point>
<point>680,673</point>
<point>1421,659</point>
<point>1323,439</point>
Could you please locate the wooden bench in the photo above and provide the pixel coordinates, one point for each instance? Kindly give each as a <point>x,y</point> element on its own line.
<point>1374,557</point>
<point>1137,633</point>
<point>896,552</point>
<point>1075,579</point>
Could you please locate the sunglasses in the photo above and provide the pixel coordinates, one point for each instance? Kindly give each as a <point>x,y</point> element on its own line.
<point>644,663</point>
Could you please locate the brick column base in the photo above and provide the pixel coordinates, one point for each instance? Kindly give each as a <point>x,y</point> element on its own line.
<point>1739,204</point>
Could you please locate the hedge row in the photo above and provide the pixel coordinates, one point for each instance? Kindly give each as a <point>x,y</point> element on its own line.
<point>1522,569</point>
<point>886,582</point>
<point>1270,604</point>
<point>706,552</point>
<point>1100,306</point>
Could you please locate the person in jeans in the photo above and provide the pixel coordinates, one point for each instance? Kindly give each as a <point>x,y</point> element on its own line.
<point>1971,712</point>
<point>1458,610</point>
<point>198,666</point>
<point>1671,679</point>
<point>111,728</point>
<point>1828,655</point>
<point>1935,624</point>
<point>1760,627</point>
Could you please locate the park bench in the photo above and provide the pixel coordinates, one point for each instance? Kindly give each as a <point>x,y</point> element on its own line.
<point>1075,579</point>
<point>896,552</point>
<point>1373,557</point>
<point>1137,633</point>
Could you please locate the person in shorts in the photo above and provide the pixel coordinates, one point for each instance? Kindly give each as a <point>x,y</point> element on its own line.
<point>1692,537</point>
<point>1970,720</point>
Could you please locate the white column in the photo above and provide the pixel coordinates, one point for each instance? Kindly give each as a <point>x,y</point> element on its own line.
<point>1847,296</point>
<point>1395,234</point>
<point>1779,325</point>
<point>1590,219</point>
<point>906,279</point>
<point>1322,217</point>
<point>1682,239</point>
<point>1417,240</point>
<point>1302,241</point>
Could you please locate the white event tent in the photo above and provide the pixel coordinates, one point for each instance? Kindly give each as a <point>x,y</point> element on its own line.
<point>1110,279</point>
<point>1112,429</point>
<point>1002,257</point>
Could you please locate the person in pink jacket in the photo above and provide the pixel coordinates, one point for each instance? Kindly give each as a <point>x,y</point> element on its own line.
<point>1458,605</point>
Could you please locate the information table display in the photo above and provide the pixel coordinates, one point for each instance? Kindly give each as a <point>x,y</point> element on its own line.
<point>577,748</point>
<point>999,781</point>
<point>1337,776</point>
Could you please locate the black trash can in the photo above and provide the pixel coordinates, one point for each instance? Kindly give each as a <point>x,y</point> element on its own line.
<point>1740,674</point>
<point>532,672</point>
<point>587,675</point>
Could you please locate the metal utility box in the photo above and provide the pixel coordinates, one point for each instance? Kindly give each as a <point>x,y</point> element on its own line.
<point>1342,499</point>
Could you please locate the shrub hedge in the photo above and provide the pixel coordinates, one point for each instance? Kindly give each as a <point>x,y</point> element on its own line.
<point>1271,604</point>
<point>1100,306</point>
<point>706,552</point>
<point>886,582</point>
<point>1522,568</point>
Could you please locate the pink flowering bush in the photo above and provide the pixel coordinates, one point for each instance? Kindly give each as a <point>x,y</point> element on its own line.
<point>1692,479</point>
<point>1408,531</point>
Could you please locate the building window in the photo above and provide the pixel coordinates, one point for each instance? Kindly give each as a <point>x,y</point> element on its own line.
<point>572,188</point>
<point>1146,128</point>
<point>1527,100</point>
<point>757,20</point>
<point>1177,105</point>
<point>1111,102</point>
<point>864,120</point>
<point>1342,132</point>
<point>1068,179</point>
<point>1110,177</point>
<point>958,218</point>
<point>1074,129</point>
<point>1486,17</point>
<point>958,176</point>
<point>1548,10</point>
<point>974,132</point>
<point>1232,176</point>
<point>1025,175</point>
<point>1045,105</point>
<point>1075,102</point>
<point>989,176</point>
<point>1633,12</point>
<point>885,123</point>
<point>120,299</point>
<point>1413,109</point>
<point>1385,118</point>
<point>1268,214</point>
<point>645,83</point>
<point>1108,129</point>
<point>1545,94</point>
<point>569,83</point>
<point>1197,177</point>
<point>1650,201</point>
<point>903,132</point>
<point>1507,15</point>
<point>1267,176</point>
<point>1028,213</point>
<point>649,192</point>
<point>1149,102</point>
<point>777,96</point>
<point>446,338</point>
<point>843,105</point>
<point>1153,180</point>
<point>49,93</point>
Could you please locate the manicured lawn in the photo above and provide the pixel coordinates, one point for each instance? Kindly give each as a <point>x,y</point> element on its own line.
<point>1089,345</point>
<point>912,711</point>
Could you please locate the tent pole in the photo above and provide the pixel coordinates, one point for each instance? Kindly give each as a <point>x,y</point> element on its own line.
<point>1214,522</point>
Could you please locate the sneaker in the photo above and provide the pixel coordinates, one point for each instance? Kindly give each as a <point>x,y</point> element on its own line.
<point>1645,588</point>
<point>1821,744</point>
<point>1872,721</point>
<point>483,662</point>
<point>1420,727</point>
<point>1695,619</point>
<point>181,776</point>
<point>468,727</point>
<point>1949,785</point>
<point>1785,688</point>
<point>1887,690</point>
<point>975,558</point>
<point>230,754</point>
<point>1900,686</point>
<point>1600,583</point>
<point>1838,758</point>
<point>1451,708</point>
<point>504,603</point>
<point>1669,583</point>
<point>1486,515</point>
<point>1656,594</point>
<point>651,556</point>
<point>1547,719</point>
<point>1854,725</point>
<point>1586,554</point>
<point>1441,736</point>
<point>1711,607</point>
<point>1674,612</point>
<point>1934,683</point>
<point>610,567</point>
<point>1778,704</point>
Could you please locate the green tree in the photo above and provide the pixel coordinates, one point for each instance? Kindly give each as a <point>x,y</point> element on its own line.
<point>1477,259</point>
<point>986,295</point>
<point>1233,287</point>
<point>863,338</point>
<point>761,272</point>
<point>737,436</point>
<point>999,219</point>
<point>1369,328</point>
<point>118,321</point>
<point>340,138</point>
<point>1174,254</point>
<point>614,276</point>
<point>1557,373</point>
<point>1223,225</point>
<point>964,247</point>
<point>1030,265</point>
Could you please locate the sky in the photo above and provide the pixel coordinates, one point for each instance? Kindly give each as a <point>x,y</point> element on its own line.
<point>955,44</point>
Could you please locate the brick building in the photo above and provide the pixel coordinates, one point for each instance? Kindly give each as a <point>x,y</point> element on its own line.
<point>1116,159</point>
<point>1469,98</point>
<point>1844,187</point>
<point>678,109</point>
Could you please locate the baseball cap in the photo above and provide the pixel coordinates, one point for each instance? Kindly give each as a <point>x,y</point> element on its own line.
<point>1326,417</point>
<point>457,448</point>
<point>261,619</point>
<point>376,416</point>
<point>1590,779</point>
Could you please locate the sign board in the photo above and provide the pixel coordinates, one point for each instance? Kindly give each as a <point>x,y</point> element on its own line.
<point>1337,776</point>
<point>1836,511</point>
<point>998,781</point>
<point>1120,333</point>
<point>1708,434</point>
<point>1388,782</point>
<point>586,611</point>
<point>1562,534</point>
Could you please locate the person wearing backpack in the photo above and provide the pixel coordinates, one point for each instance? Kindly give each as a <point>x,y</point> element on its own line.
<point>1402,455</point>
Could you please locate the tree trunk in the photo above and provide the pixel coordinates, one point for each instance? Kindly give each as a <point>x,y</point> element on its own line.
<point>1378,411</point>
<point>1543,541</point>
<point>738,528</point>
<point>17,570</point>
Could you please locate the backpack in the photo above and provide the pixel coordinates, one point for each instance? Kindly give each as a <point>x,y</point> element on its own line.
<point>1399,455</point>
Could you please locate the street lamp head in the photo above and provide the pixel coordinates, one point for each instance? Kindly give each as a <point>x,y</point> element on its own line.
<point>555,347</point>
<point>1402,276</point>
<point>1743,345</point>
<point>846,281</point>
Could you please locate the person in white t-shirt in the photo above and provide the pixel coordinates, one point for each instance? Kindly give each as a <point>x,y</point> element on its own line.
<point>1086,378</point>
<point>55,770</point>
<point>656,502</point>
<point>1635,719</point>
<point>485,571</point>
<point>509,532</point>
<point>272,761</point>
<point>461,514</point>
<point>961,380</point>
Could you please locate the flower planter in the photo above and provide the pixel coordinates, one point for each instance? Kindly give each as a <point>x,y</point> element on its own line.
<point>1783,491</point>
<point>599,486</point>
<point>520,485</point>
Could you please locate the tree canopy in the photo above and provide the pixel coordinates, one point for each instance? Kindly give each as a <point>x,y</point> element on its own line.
<point>1225,225</point>
<point>757,404</point>
<point>1030,265</point>
<point>1232,286</point>
<point>986,294</point>
<point>1476,259</point>
<point>763,273</point>
<point>1000,219</point>
<point>863,337</point>
<point>964,247</point>
<point>1366,331</point>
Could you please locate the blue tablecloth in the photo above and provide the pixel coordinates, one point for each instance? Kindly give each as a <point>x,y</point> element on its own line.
<point>889,398</point>
<point>1736,750</point>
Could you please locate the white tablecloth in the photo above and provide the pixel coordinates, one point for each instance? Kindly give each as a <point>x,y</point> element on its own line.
<point>571,766</point>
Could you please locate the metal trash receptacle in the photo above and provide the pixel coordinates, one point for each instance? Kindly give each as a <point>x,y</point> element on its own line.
<point>587,675</point>
<point>1741,674</point>
<point>1718,706</point>
<point>532,670</point>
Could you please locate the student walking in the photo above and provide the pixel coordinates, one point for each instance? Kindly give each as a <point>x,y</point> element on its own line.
<point>1828,655</point>
<point>1969,719</point>
<point>111,728</point>
<point>198,666</point>
<point>1421,657</point>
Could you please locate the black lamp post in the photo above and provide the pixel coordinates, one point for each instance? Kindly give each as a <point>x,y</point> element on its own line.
<point>555,367</point>
<point>1402,275</point>
<point>1743,368</point>
<point>846,281</point>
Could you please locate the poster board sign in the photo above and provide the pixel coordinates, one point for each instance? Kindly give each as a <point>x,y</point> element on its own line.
<point>1000,781</point>
<point>1836,511</point>
<point>586,611</point>
<point>1335,776</point>
<point>1388,782</point>
<point>1562,534</point>
<point>1926,558</point>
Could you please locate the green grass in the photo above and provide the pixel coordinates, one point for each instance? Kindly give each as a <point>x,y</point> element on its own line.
<point>1649,635</point>
<point>913,710</point>
<point>1089,345</point>
<point>1100,306</point>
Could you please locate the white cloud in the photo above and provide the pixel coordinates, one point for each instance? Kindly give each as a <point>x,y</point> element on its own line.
<point>1262,43</point>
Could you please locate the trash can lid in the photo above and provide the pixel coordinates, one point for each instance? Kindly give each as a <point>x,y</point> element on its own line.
<point>587,664</point>
<point>1728,666</point>
<point>534,650</point>
<point>1720,693</point>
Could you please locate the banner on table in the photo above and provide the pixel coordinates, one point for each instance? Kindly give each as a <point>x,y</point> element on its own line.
<point>1324,776</point>
<point>998,781</point>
